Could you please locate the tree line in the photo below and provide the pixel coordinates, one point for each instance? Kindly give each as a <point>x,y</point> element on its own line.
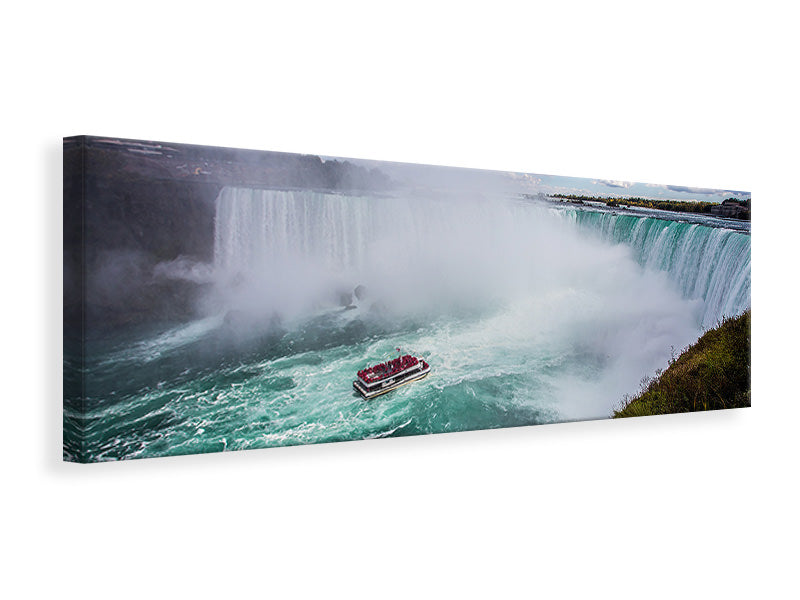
<point>688,206</point>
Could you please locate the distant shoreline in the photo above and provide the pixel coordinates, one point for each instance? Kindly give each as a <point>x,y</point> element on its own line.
<point>729,208</point>
<point>739,225</point>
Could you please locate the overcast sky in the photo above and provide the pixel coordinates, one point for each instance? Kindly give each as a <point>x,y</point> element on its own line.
<point>455,179</point>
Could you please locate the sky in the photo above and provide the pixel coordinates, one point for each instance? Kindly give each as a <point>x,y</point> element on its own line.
<point>605,187</point>
<point>457,179</point>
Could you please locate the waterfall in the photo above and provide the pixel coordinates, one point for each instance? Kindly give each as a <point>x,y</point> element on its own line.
<point>255,227</point>
<point>707,263</point>
<point>426,250</point>
<point>466,246</point>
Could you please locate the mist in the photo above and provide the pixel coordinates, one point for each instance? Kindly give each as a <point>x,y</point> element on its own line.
<point>292,252</point>
<point>519,275</point>
<point>237,315</point>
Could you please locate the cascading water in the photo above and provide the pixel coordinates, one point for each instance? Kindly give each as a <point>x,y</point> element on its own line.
<point>527,314</point>
<point>707,263</point>
<point>410,251</point>
<point>257,229</point>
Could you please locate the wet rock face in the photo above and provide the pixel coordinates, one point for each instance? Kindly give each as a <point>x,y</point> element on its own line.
<point>345,299</point>
<point>129,206</point>
<point>163,219</point>
<point>129,230</point>
<point>378,308</point>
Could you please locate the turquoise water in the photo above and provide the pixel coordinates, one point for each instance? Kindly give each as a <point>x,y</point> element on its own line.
<point>293,388</point>
<point>526,314</point>
<point>711,264</point>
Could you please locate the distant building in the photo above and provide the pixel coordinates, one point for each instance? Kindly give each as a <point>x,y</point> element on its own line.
<point>730,208</point>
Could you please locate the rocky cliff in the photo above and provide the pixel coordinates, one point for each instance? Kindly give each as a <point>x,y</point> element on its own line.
<point>132,205</point>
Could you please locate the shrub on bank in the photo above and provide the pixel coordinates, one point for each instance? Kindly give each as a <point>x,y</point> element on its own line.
<point>712,374</point>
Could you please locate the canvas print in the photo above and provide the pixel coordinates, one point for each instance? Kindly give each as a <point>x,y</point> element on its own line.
<point>218,299</point>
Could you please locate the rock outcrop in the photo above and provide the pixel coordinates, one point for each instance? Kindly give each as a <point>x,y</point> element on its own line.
<point>131,205</point>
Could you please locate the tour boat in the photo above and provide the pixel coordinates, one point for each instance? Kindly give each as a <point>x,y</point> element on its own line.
<point>385,377</point>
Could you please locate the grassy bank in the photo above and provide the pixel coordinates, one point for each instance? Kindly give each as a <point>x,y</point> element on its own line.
<point>712,374</point>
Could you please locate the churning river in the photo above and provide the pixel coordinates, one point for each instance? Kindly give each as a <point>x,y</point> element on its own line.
<point>528,313</point>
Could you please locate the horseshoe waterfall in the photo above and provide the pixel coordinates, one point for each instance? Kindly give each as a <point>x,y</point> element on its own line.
<point>528,312</point>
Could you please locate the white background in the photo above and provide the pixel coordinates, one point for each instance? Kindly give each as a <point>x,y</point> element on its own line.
<point>690,93</point>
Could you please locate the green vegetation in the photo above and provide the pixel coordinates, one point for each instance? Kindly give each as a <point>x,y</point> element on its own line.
<point>712,374</point>
<point>673,205</point>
